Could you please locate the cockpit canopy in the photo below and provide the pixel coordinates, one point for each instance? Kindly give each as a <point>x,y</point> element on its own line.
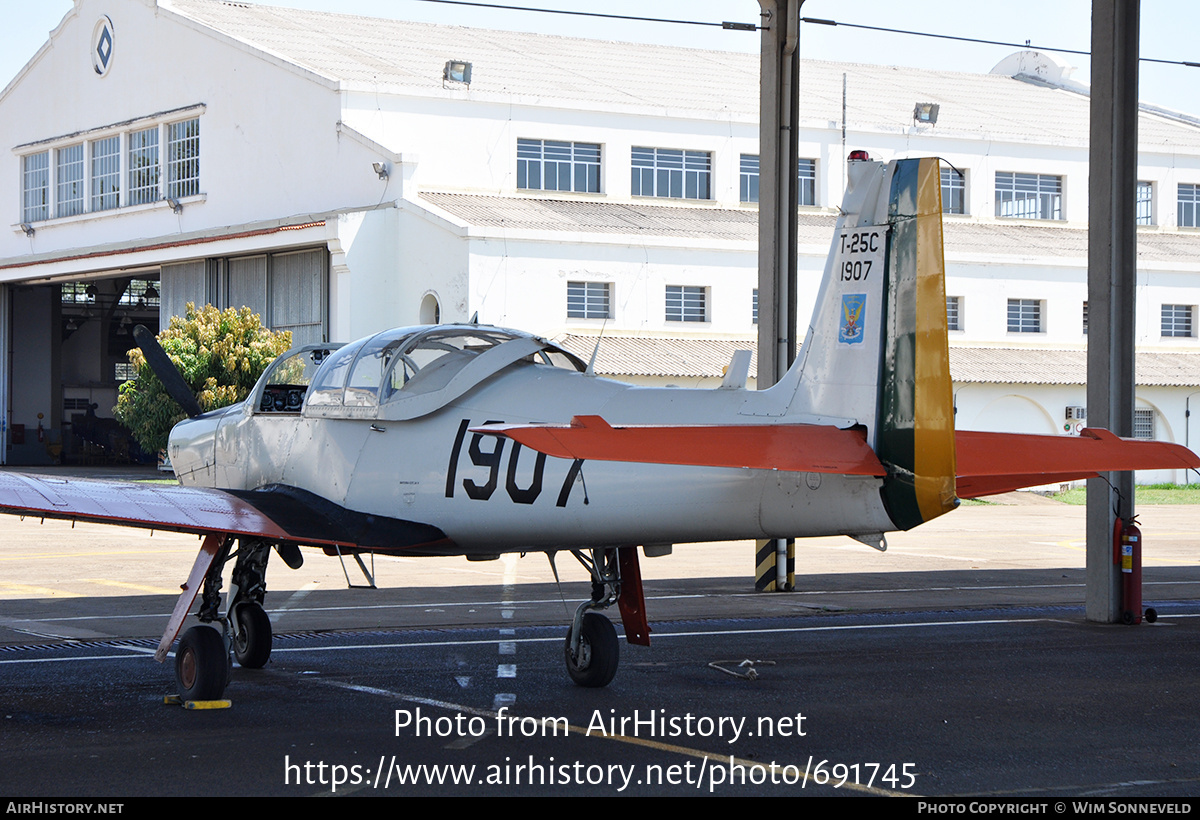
<point>411,371</point>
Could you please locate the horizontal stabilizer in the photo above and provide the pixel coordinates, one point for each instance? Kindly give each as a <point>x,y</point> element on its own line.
<point>810,448</point>
<point>990,463</point>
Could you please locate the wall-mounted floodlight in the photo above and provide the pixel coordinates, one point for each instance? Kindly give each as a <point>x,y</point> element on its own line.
<point>25,226</point>
<point>381,169</point>
<point>926,113</point>
<point>457,71</point>
<point>175,204</point>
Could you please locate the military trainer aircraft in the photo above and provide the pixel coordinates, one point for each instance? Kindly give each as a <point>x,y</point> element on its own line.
<point>475,440</point>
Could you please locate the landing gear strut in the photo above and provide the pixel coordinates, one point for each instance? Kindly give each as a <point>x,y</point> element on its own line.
<point>202,662</point>
<point>592,651</point>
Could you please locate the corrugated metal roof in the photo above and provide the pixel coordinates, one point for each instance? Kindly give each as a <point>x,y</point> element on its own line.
<point>990,239</point>
<point>396,56</point>
<point>1023,366</point>
<point>657,356</point>
<point>589,216</point>
<point>699,357</point>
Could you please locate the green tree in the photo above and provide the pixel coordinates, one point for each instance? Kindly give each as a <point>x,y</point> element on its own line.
<point>221,354</point>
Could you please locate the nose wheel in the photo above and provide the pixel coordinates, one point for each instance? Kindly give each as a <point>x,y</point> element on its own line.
<point>594,663</point>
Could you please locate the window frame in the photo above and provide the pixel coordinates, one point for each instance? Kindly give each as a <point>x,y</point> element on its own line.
<point>1143,423</point>
<point>1189,206</point>
<point>581,162</point>
<point>1029,196</point>
<point>137,163</point>
<point>954,318</point>
<point>69,169</point>
<point>35,185</point>
<point>1178,321</point>
<point>143,173</point>
<point>105,172</point>
<point>1144,202</point>
<point>681,303</point>
<point>182,160</point>
<point>1021,322</point>
<point>954,181</point>
<point>748,174</point>
<point>594,300</point>
<point>671,173</point>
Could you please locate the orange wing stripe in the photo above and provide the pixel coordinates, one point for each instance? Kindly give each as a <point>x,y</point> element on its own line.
<point>797,447</point>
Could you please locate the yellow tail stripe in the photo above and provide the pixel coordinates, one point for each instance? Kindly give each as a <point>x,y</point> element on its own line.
<point>933,433</point>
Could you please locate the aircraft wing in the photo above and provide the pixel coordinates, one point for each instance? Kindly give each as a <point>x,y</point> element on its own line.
<point>987,463</point>
<point>812,448</point>
<point>276,513</point>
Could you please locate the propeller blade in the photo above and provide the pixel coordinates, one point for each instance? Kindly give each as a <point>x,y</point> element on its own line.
<point>166,371</point>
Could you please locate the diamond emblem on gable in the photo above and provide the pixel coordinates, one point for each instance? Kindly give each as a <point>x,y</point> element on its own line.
<point>102,45</point>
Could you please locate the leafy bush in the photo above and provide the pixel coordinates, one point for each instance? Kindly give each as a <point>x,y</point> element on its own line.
<point>221,354</point>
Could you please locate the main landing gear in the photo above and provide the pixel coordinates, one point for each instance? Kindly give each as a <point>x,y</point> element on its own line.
<point>592,650</point>
<point>202,658</point>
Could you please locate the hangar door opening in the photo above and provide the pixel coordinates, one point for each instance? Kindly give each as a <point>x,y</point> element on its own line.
<point>69,347</point>
<point>288,290</point>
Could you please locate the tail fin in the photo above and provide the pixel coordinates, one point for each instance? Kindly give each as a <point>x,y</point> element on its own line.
<point>876,348</point>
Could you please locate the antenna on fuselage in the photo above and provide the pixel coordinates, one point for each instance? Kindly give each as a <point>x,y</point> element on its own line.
<point>591,368</point>
<point>474,319</point>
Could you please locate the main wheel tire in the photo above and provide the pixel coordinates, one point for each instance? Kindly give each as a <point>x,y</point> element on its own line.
<point>201,664</point>
<point>599,651</point>
<point>252,644</point>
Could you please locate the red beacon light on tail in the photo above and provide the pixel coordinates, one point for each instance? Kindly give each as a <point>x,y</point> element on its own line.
<point>859,156</point>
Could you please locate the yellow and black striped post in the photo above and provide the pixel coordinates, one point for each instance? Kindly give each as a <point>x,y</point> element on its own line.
<point>765,574</point>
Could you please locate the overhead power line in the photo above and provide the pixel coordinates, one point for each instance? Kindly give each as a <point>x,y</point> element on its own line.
<point>814,20</point>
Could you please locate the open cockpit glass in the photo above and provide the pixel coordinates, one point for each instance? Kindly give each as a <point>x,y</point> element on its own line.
<point>286,381</point>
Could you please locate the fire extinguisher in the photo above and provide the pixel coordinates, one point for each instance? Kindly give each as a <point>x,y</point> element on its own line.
<point>1127,552</point>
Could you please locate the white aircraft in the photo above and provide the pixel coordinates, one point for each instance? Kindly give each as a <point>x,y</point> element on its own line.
<point>474,440</point>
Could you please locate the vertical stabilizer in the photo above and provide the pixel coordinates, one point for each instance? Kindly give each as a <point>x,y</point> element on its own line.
<point>915,437</point>
<point>876,350</point>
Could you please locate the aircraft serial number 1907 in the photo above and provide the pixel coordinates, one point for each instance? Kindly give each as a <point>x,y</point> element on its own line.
<point>473,440</point>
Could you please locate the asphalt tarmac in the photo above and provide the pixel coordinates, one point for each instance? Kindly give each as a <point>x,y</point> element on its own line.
<point>956,663</point>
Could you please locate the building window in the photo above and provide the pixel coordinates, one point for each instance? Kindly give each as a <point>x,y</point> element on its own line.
<point>754,307</point>
<point>1177,320</point>
<point>183,159</point>
<point>1189,206</point>
<point>806,180</point>
<point>69,180</point>
<point>749,178</point>
<point>664,172</point>
<point>1085,318</point>
<point>35,187</point>
<point>1024,316</point>
<point>106,173</point>
<point>953,313</point>
<point>143,166</point>
<point>547,165</point>
<point>954,191</point>
<point>686,304</point>
<point>1145,203</point>
<point>1143,423</point>
<point>588,300</point>
<point>1028,196</point>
